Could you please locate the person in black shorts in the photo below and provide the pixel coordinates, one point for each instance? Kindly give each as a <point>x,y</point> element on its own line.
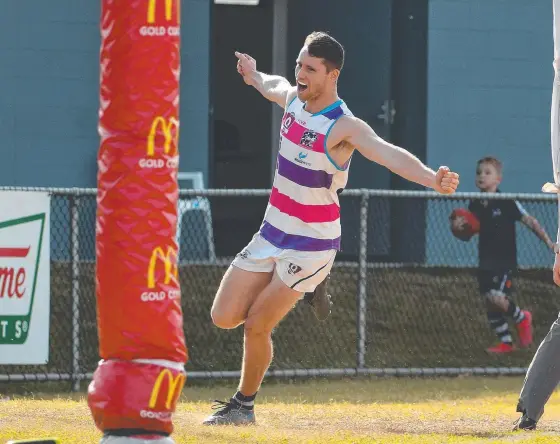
<point>497,253</point>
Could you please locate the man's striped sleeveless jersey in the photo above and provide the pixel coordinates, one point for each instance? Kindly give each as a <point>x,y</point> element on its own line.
<point>303,212</point>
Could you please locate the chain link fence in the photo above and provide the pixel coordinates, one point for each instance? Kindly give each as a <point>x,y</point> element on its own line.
<point>404,289</point>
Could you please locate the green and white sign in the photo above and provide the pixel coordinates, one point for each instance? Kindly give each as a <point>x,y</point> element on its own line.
<point>24,277</point>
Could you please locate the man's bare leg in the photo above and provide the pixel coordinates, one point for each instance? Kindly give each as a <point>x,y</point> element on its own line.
<point>270,307</point>
<point>266,311</point>
<point>237,292</point>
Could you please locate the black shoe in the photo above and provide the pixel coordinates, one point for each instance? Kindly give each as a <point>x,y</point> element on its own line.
<point>524,423</point>
<point>320,300</point>
<point>230,413</point>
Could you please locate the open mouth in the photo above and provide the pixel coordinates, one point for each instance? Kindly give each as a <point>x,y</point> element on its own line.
<point>301,87</point>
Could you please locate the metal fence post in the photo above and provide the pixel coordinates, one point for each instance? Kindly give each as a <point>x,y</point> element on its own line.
<point>362,284</point>
<point>75,261</point>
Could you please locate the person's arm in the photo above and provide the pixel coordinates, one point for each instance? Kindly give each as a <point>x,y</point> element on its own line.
<point>363,138</point>
<point>532,223</point>
<point>274,88</point>
<point>277,89</point>
<point>521,214</point>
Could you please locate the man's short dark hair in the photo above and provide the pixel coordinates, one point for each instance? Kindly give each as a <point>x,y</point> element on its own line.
<point>322,45</point>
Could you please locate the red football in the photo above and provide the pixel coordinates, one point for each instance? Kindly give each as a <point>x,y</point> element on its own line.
<point>469,228</point>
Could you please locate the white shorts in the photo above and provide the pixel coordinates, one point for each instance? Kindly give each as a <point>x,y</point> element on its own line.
<point>299,270</point>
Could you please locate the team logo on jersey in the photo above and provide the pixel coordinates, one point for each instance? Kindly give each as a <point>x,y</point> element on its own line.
<point>308,139</point>
<point>293,268</point>
<point>287,122</point>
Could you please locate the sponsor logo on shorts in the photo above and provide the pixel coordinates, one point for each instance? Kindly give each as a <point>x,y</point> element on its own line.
<point>293,269</point>
<point>244,254</point>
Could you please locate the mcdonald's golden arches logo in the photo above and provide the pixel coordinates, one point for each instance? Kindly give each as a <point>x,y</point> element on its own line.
<point>166,126</point>
<point>157,11</point>
<point>152,7</point>
<point>174,388</point>
<point>169,259</point>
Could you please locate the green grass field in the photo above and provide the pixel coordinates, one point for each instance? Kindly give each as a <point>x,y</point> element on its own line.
<point>365,410</point>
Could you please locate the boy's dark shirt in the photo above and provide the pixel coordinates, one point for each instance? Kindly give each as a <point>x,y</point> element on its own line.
<point>496,241</point>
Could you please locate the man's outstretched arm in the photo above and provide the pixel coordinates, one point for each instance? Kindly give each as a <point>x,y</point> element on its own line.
<point>363,138</point>
<point>274,88</point>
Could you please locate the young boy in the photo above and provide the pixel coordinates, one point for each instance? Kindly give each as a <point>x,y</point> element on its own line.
<point>497,254</point>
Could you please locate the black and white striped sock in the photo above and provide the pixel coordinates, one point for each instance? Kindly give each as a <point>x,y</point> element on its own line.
<point>245,402</point>
<point>515,312</point>
<point>499,324</point>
